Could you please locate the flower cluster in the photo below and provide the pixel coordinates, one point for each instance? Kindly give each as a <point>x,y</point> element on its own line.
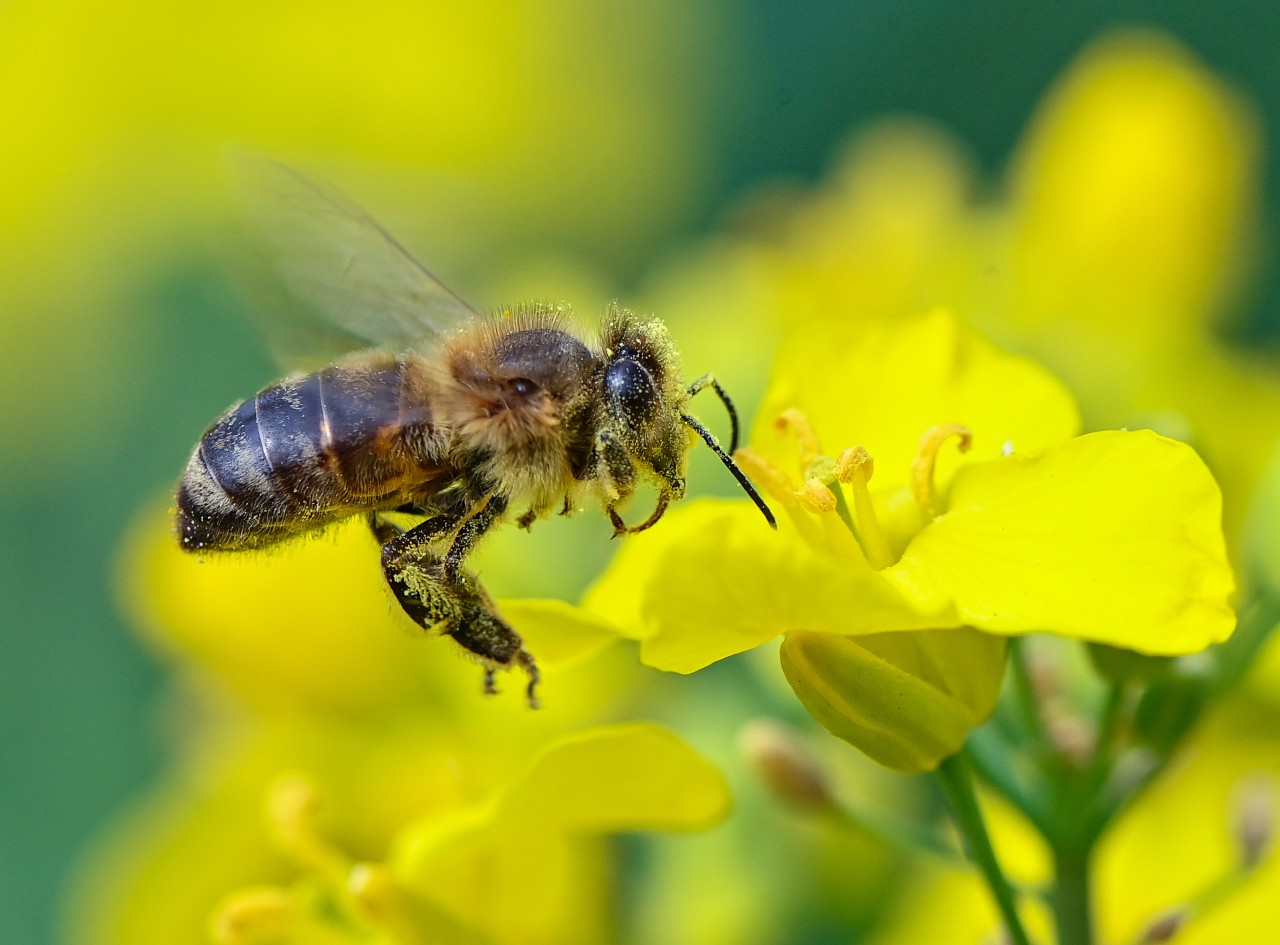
<point>399,806</point>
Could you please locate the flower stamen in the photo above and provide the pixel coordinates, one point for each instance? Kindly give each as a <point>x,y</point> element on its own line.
<point>362,893</point>
<point>794,421</point>
<point>252,916</point>
<point>292,803</point>
<point>815,496</point>
<point>386,904</point>
<point>767,477</point>
<point>926,459</point>
<point>854,468</point>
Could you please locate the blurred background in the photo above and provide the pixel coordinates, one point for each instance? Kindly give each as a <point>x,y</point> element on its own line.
<point>562,150</point>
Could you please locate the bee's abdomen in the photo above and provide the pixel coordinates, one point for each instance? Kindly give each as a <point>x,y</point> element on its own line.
<point>303,453</point>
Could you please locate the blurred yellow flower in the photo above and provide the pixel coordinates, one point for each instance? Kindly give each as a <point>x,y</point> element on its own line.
<point>428,831</point>
<point>511,872</point>
<point>1132,198</point>
<point>515,868</point>
<point>1129,232</point>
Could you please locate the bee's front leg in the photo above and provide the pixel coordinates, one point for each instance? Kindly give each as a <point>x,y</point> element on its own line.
<point>709,380</point>
<point>459,608</point>
<point>618,473</point>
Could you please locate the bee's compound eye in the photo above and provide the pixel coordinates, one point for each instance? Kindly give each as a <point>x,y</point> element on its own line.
<point>523,387</point>
<point>630,390</point>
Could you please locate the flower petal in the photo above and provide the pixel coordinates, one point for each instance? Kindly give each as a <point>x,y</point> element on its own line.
<point>714,581</point>
<point>519,868</point>
<point>559,633</point>
<point>1114,537</point>
<point>883,387</point>
<point>638,776</point>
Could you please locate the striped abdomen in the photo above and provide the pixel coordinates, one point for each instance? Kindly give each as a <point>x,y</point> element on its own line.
<point>308,451</point>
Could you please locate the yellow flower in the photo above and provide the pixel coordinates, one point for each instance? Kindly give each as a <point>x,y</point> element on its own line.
<point>511,872</point>
<point>1125,232</point>
<point>518,867</point>
<point>1127,236</point>
<point>1112,537</point>
<point>519,863</point>
<point>406,806</point>
<point>1132,196</point>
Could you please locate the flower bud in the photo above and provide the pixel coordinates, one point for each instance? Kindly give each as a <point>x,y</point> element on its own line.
<point>1254,816</point>
<point>784,763</point>
<point>1165,927</point>
<point>1171,706</point>
<point>907,700</point>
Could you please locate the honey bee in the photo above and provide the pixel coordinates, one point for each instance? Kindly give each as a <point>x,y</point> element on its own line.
<point>459,418</point>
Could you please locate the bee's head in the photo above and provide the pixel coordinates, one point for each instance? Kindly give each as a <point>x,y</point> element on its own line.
<point>645,428</point>
<point>642,398</point>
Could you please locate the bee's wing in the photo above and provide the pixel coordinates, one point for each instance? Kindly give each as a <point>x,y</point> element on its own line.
<point>338,259</point>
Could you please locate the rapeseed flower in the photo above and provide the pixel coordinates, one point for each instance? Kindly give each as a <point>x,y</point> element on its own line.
<point>400,805</point>
<point>1113,537</point>
<point>1116,251</point>
<point>1127,316</point>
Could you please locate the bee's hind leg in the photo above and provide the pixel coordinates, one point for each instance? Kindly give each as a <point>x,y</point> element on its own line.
<point>401,542</point>
<point>461,608</point>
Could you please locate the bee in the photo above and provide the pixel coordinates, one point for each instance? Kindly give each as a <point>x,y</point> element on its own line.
<point>462,419</point>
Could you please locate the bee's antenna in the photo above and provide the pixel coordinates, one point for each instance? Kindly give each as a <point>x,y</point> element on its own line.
<point>709,380</point>
<point>731,465</point>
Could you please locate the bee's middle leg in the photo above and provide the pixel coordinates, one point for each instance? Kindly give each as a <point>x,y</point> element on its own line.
<point>471,531</point>
<point>459,607</point>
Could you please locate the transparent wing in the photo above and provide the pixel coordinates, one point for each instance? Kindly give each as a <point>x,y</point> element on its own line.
<point>340,261</point>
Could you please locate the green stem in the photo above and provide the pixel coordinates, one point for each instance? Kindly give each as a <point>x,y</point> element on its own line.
<point>1091,815</point>
<point>894,831</point>
<point>1258,619</point>
<point>1072,902</point>
<point>1079,820</point>
<point>1024,690</point>
<point>956,778</point>
<point>992,760</point>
